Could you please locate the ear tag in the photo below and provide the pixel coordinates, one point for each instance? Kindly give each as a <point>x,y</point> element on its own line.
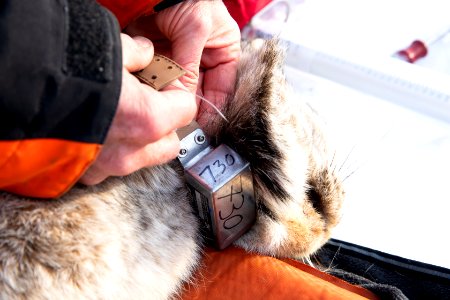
<point>219,179</point>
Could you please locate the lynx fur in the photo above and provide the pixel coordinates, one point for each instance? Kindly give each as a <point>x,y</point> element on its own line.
<point>136,237</point>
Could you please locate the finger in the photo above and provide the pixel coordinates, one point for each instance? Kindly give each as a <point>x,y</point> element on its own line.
<point>168,110</point>
<point>162,151</point>
<point>137,52</point>
<point>188,42</point>
<point>145,115</point>
<point>219,82</point>
<point>93,176</point>
<point>188,55</point>
<point>217,91</point>
<point>219,88</point>
<point>122,160</point>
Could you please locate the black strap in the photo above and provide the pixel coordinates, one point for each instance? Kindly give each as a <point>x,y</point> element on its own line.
<point>165,4</point>
<point>383,273</point>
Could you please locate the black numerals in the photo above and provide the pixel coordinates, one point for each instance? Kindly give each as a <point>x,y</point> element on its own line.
<point>218,167</point>
<point>231,217</point>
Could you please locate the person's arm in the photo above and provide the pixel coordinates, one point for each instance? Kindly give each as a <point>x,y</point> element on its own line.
<point>71,109</point>
<point>60,79</point>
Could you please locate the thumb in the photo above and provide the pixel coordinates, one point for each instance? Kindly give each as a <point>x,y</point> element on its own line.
<point>187,26</point>
<point>137,52</point>
<point>187,52</point>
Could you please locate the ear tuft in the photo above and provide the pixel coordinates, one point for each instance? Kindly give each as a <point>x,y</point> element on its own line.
<point>249,130</point>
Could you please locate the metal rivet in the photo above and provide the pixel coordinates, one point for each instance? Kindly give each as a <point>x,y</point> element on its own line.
<point>200,139</point>
<point>182,153</point>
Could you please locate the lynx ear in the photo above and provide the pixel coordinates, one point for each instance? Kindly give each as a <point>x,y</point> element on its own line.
<point>260,71</point>
<point>249,130</point>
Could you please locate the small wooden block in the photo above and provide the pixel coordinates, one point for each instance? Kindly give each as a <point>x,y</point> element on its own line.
<point>160,72</point>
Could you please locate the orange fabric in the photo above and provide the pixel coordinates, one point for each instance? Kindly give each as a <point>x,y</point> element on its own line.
<point>43,168</point>
<point>127,11</point>
<point>236,274</point>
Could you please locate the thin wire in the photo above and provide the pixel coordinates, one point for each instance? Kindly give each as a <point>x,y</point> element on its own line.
<point>204,99</point>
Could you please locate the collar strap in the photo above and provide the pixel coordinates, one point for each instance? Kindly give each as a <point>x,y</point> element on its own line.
<point>160,72</point>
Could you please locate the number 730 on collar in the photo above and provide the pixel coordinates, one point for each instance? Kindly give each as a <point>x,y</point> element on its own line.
<point>221,183</point>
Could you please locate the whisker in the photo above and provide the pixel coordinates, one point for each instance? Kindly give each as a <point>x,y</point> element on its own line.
<point>351,173</point>
<point>332,160</point>
<point>330,266</point>
<point>307,260</point>
<point>346,159</point>
<point>369,155</point>
<point>367,270</point>
<point>203,99</point>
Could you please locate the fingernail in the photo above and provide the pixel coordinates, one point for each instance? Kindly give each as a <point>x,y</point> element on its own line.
<point>143,42</point>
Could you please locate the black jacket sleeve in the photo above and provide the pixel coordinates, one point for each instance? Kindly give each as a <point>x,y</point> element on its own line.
<point>60,70</point>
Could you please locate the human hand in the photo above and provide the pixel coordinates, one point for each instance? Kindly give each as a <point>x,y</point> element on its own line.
<point>203,38</point>
<point>143,129</point>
